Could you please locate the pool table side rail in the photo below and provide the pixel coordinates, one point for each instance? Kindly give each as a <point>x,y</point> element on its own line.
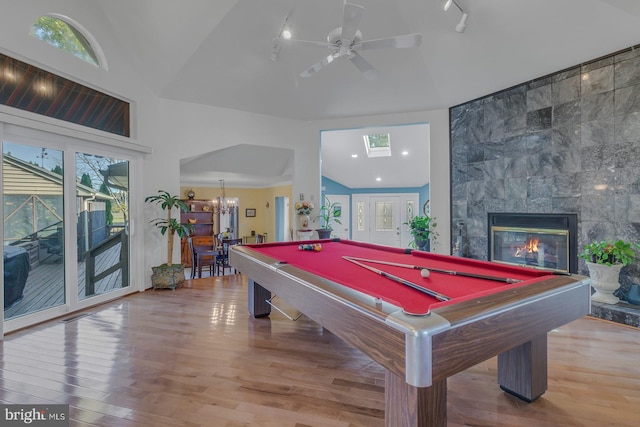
<point>455,337</point>
<point>486,304</point>
<point>533,312</point>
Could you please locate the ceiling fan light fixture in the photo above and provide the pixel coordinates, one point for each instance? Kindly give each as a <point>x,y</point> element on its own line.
<point>447,5</point>
<point>345,42</point>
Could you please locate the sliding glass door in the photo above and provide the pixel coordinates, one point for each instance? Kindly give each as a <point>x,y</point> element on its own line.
<point>33,195</point>
<point>65,224</point>
<point>102,231</point>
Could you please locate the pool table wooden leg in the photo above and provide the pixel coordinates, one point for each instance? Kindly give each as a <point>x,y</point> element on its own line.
<point>409,406</point>
<point>522,371</point>
<point>258,296</point>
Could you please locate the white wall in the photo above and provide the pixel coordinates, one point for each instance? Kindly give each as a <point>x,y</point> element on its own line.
<point>187,130</point>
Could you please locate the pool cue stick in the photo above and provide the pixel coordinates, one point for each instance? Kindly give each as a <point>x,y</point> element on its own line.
<point>400,280</point>
<point>451,272</point>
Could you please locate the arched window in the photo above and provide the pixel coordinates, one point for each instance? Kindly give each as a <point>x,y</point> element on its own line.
<point>69,36</point>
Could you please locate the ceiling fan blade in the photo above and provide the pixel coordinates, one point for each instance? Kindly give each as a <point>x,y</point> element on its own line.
<point>351,18</point>
<point>367,69</point>
<point>280,40</point>
<point>317,66</point>
<point>405,41</point>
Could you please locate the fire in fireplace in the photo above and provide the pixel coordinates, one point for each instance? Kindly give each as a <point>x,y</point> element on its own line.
<point>546,241</point>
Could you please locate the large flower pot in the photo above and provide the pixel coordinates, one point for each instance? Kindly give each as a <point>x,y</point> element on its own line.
<point>324,233</point>
<point>604,279</point>
<point>167,276</point>
<point>423,245</point>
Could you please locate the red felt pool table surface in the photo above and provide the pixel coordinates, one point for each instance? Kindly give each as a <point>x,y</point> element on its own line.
<point>330,264</point>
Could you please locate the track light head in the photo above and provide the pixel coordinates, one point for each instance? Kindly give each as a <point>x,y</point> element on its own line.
<point>462,25</point>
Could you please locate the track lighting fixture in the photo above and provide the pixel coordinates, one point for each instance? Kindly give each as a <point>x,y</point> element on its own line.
<point>462,25</point>
<point>285,33</point>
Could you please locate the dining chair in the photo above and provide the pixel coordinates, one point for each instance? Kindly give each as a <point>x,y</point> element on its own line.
<point>203,253</point>
<point>222,260</point>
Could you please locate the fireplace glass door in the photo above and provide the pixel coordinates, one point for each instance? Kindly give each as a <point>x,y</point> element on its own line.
<point>534,247</point>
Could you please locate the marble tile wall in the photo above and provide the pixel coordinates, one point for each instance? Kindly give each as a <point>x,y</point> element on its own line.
<point>565,143</point>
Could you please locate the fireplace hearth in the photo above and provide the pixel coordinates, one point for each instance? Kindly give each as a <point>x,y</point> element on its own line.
<point>545,241</point>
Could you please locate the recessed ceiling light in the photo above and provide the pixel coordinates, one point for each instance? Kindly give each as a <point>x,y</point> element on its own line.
<point>354,155</point>
<point>286,34</point>
<point>378,179</point>
<point>405,153</point>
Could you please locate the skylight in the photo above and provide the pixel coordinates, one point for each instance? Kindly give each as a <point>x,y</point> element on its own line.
<point>64,36</point>
<point>378,145</point>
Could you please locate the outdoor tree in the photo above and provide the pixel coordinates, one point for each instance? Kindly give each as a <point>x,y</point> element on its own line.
<point>61,35</point>
<point>107,205</point>
<point>86,180</point>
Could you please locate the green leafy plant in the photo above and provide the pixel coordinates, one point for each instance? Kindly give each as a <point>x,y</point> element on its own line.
<point>329,213</point>
<point>421,228</point>
<point>171,225</point>
<point>610,252</point>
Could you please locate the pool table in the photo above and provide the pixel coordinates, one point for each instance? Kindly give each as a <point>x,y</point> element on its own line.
<point>487,309</point>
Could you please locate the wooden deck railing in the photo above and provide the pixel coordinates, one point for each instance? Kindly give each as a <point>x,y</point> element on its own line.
<point>91,276</point>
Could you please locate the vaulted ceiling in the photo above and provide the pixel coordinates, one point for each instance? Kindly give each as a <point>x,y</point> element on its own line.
<point>222,52</point>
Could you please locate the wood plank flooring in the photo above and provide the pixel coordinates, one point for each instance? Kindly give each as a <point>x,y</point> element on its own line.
<point>194,357</point>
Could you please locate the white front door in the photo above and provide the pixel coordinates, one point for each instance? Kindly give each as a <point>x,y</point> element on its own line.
<point>384,218</point>
<point>380,218</point>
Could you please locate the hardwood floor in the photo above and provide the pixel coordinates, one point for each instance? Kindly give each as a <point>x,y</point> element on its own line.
<point>194,357</point>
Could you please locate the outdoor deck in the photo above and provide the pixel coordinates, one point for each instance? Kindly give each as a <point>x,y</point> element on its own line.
<point>45,284</point>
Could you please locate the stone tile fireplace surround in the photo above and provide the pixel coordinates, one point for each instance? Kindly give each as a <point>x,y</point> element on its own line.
<point>568,142</point>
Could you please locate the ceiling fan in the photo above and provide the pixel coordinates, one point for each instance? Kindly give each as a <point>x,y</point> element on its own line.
<point>346,42</point>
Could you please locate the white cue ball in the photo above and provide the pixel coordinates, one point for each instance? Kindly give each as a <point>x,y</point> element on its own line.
<point>424,272</point>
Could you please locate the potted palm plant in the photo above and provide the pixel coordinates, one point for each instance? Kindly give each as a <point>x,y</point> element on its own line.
<point>329,213</point>
<point>421,228</point>
<point>604,260</point>
<point>168,275</point>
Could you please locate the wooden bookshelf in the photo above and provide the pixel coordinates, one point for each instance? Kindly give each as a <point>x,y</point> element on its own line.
<point>201,217</point>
